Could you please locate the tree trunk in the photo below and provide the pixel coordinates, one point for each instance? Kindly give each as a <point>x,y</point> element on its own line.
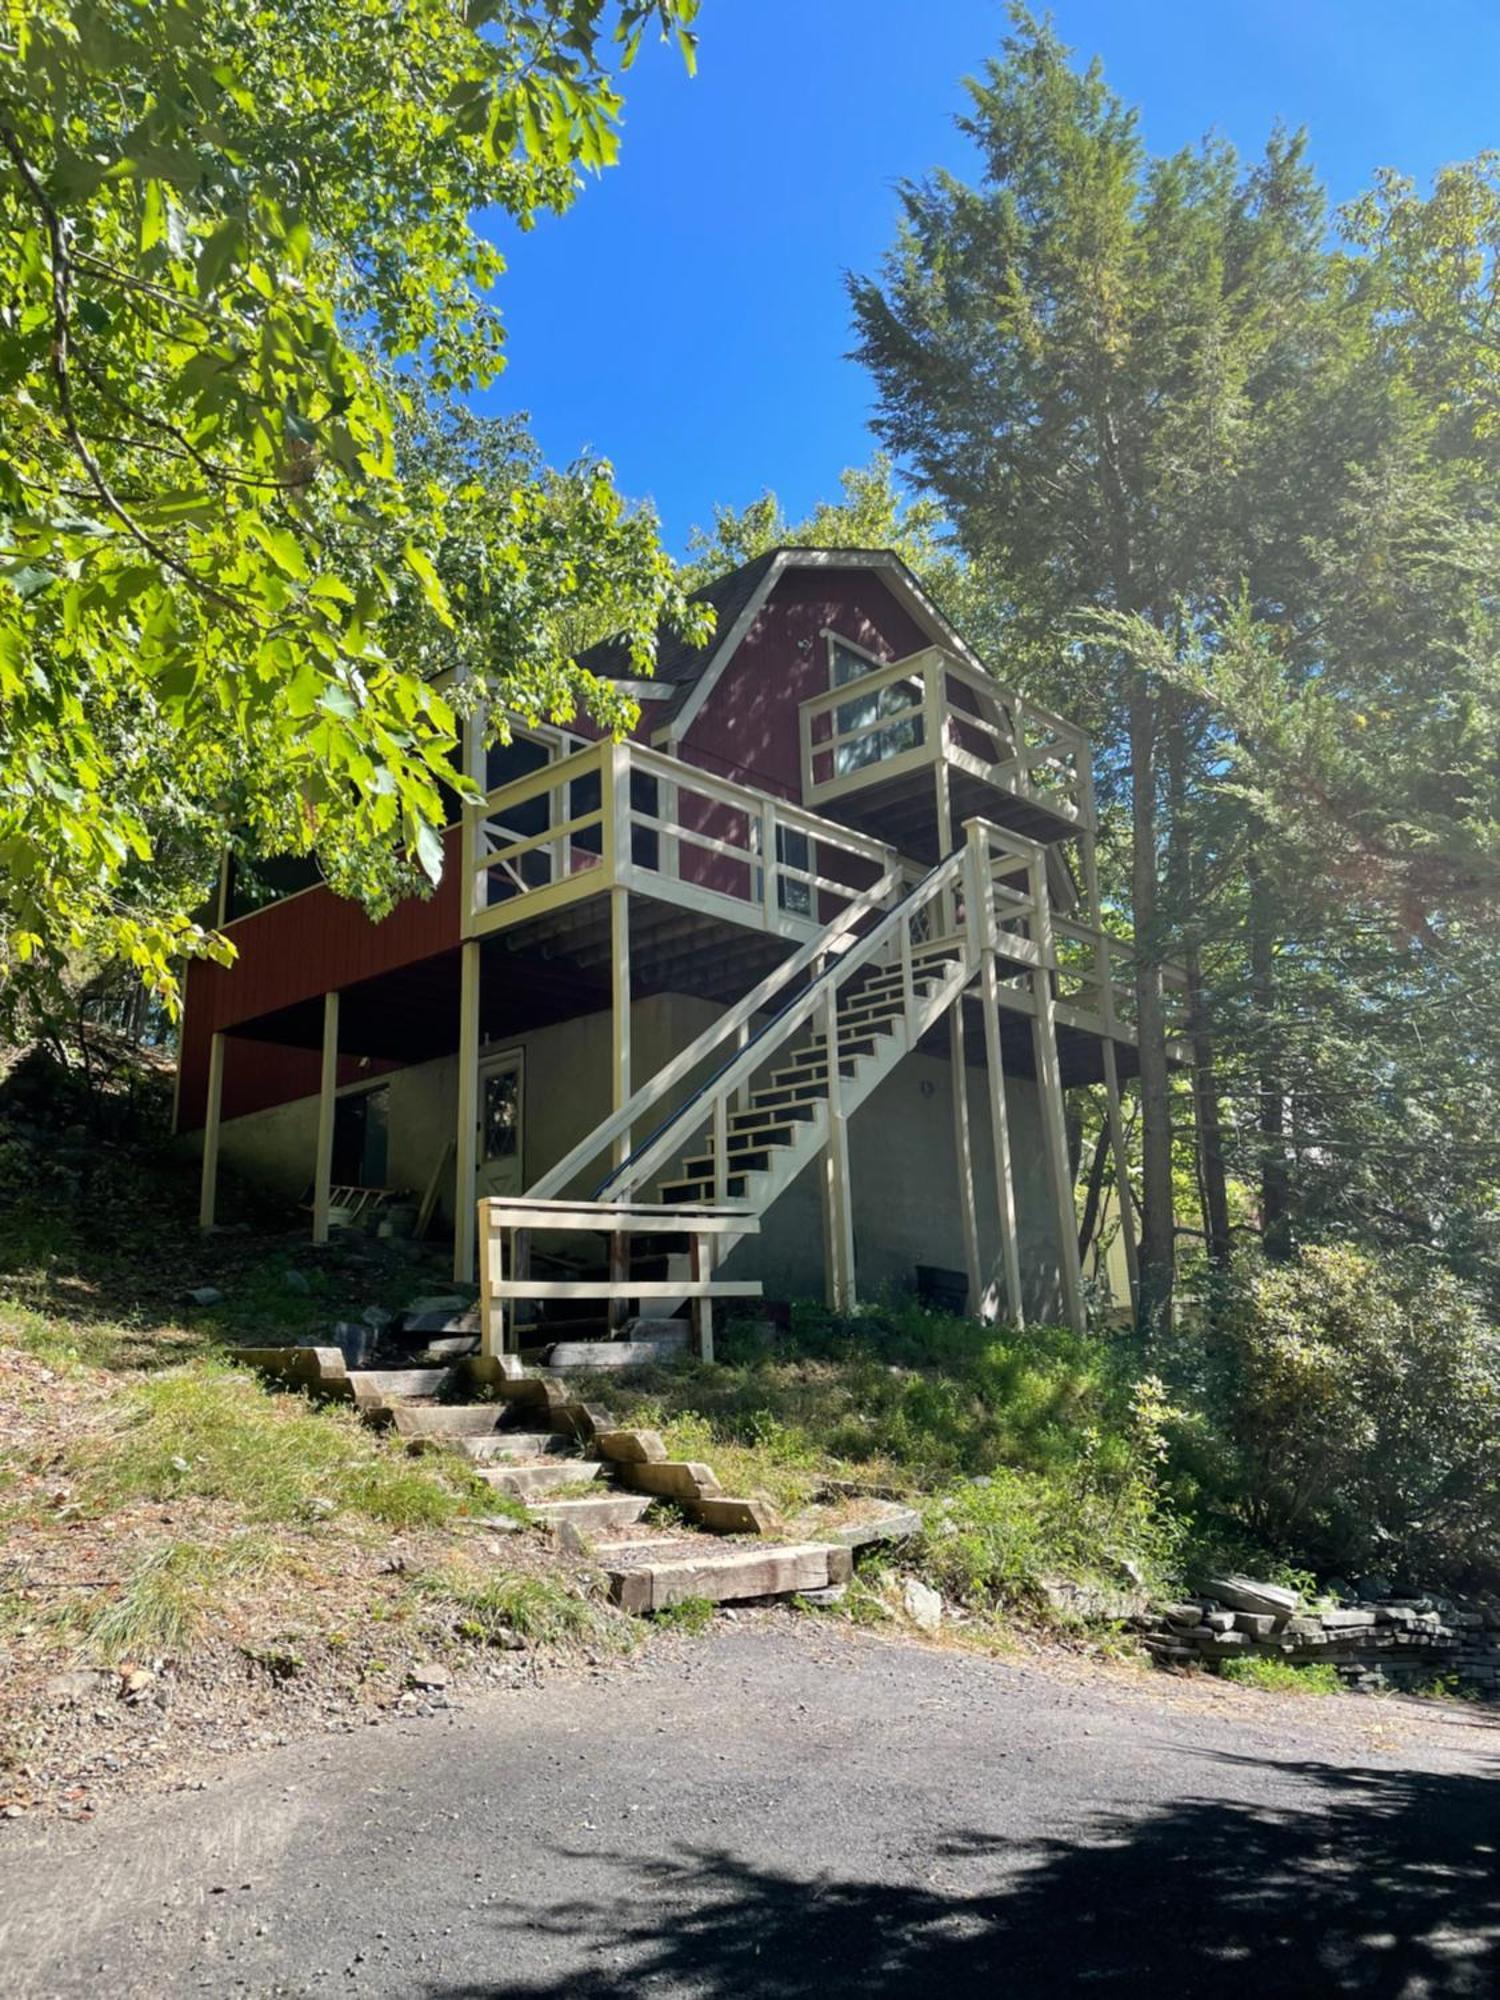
<point>1208,1127</point>
<point>1208,1119</point>
<point>1275,1179</point>
<point>1158,1232</point>
<point>1093,1197</point>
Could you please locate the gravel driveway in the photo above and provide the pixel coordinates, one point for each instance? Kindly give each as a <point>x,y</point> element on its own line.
<point>787,1810</point>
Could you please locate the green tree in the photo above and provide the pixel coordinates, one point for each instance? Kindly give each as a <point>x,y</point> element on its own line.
<point>1111,369</point>
<point>239,254</point>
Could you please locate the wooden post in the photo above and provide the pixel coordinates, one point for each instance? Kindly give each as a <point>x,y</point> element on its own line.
<point>1005,1185</point>
<point>963,1154</point>
<point>619,940</point>
<point>1049,1090</point>
<point>208,1192</point>
<point>491,1276</point>
<point>466,1136</point>
<point>328,1083</point>
<point>838,1206</point>
<point>701,1263</point>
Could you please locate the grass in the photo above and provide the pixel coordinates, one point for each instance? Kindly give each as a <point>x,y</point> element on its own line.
<point>212,1432</point>
<point>1029,1455</point>
<point>1281,1677</point>
<point>501,1609</point>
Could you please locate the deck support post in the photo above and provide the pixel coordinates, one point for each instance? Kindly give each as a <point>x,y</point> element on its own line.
<point>701,1264</point>
<point>208,1191</point>
<point>619,943</point>
<point>1005,1184</point>
<point>1049,1090</point>
<point>838,1203</point>
<point>963,1153</point>
<point>328,1082</point>
<point>466,1137</point>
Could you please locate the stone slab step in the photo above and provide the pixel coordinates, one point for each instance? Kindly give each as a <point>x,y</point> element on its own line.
<point>600,1356</point>
<point>521,1446</point>
<point>652,1583</point>
<point>526,1482</point>
<point>614,1510</point>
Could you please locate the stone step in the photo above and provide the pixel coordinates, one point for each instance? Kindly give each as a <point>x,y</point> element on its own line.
<point>613,1510</point>
<point>641,1581</point>
<point>519,1446</point>
<point>525,1482</point>
<point>415,1420</point>
<point>600,1356</point>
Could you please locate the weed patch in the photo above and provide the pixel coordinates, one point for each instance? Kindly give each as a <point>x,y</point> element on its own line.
<point>1281,1677</point>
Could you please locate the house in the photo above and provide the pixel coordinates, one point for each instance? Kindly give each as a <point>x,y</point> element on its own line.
<point>817,952</point>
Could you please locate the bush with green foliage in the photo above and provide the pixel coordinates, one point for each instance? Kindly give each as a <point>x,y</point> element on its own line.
<point>1351,1404</point>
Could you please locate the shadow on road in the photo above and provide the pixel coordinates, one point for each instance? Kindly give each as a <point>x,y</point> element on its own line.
<point>1385,1882</point>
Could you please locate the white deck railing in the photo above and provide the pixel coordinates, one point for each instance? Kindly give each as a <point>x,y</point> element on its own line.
<point>618,815</point>
<point>933,707</point>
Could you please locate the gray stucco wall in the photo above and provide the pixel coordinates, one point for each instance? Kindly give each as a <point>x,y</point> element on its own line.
<point>902,1155</point>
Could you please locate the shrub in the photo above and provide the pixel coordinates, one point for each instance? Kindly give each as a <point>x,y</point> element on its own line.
<point>1359,1399</point>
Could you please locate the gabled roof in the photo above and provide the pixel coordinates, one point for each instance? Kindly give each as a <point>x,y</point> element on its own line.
<point>736,598</point>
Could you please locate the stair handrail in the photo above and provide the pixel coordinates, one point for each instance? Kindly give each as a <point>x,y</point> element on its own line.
<point>745,1061</point>
<point>861,904</point>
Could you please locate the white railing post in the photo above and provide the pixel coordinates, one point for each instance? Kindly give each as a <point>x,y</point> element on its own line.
<point>720,1146</point>
<point>838,1204</point>
<point>768,863</point>
<point>1050,1091</point>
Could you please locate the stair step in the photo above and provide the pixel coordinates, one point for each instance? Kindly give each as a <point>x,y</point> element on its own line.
<point>524,1445</point>
<point>701,1166</point>
<point>522,1482</point>
<point>384,1385</point>
<point>614,1510</point>
<point>736,1189</point>
<point>414,1420</point>
<point>639,1582</point>
<point>760,1118</point>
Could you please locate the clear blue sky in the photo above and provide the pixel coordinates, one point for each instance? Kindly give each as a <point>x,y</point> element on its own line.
<point>687,318</point>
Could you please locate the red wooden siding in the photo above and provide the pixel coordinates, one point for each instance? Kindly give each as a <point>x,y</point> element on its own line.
<point>748,728</point>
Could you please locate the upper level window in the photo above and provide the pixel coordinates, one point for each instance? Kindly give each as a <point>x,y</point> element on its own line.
<point>897,705</point>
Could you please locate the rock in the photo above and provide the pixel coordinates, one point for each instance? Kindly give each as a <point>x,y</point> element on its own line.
<point>1346,1621</point>
<point>831,1593</point>
<point>378,1317</point>
<point>1375,1588</point>
<point>136,1683</point>
<point>922,1605</point>
<point>296,1281</point>
<point>1243,1593</point>
<point>896,1524</point>
<point>320,1508</point>
<point>1221,1621</point>
<point>440,1302</point>
<point>82,1685</point>
<point>1131,1573</point>
<point>205,1295</point>
<point>429,1675</point>
<point>1255,1624</point>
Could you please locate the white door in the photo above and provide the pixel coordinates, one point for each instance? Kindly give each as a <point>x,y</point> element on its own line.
<point>502,1096</point>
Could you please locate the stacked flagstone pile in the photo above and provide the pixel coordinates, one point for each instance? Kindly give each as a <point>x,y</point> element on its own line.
<point>1375,1639</point>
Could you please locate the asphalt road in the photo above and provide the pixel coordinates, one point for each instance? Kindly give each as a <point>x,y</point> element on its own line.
<point>786,1811</point>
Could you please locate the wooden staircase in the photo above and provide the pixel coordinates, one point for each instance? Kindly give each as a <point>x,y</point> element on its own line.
<point>783,1126</point>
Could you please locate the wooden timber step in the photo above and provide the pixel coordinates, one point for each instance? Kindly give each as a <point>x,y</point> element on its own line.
<point>450,1420</point>
<point>589,1516</point>
<point>375,1386</point>
<point>652,1577</point>
<point>524,1482</point>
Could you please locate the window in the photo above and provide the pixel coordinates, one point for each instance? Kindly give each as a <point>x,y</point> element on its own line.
<point>793,850</point>
<point>500,1117</point>
<point>899,699</point>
